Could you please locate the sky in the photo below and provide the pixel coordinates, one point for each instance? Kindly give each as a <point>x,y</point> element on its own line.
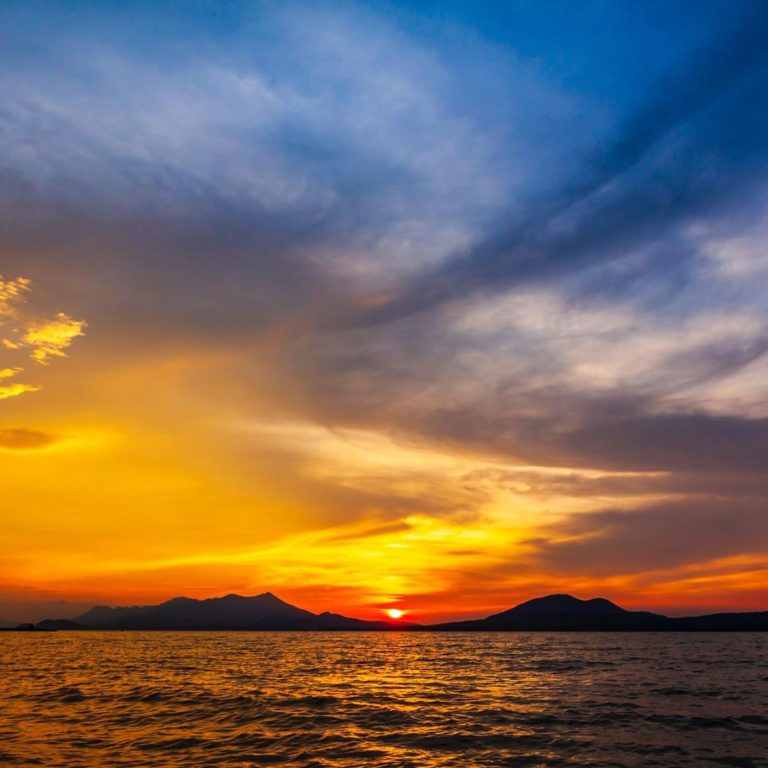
<point>435,306</point>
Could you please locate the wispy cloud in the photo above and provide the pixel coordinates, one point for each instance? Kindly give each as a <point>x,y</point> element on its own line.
<point>25,333</point>
<point>16,389</point>
<point>49,338</point>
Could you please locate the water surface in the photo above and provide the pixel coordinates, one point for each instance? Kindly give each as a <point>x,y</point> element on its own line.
<point>193,699</point>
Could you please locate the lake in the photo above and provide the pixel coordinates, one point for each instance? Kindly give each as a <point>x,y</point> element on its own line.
<point>394,699</point>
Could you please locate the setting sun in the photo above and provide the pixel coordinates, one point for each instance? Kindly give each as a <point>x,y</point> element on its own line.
<point>394,613</point>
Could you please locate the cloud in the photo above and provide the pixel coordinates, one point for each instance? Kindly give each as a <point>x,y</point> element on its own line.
<point>316,170</point>
<point>22,439</point>
<point>655,537</point>
<point>49,338</point>
<point>637,187</point>
<point>23,331</point>
<point>14,390</point>
<point>12,293</point>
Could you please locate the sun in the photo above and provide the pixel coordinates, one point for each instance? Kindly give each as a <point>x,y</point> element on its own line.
<point>394,613</point>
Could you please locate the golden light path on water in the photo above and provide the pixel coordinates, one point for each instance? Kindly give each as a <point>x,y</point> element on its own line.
<point>395,700</point>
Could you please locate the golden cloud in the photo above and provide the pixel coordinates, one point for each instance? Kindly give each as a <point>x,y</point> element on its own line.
<point>50,338</point>
<point>14,390</point>
<point>12,292</point>
<point>41,338</point>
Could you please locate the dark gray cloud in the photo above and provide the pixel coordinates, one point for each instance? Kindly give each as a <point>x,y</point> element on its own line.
<point>656,537</point>
<point>693,443</point>
<point>626,486</point>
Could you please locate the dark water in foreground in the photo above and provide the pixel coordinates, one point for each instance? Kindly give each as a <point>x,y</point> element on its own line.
<point>378,699</point>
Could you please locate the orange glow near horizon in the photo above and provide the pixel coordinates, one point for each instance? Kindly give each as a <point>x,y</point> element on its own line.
<point>134,475</point>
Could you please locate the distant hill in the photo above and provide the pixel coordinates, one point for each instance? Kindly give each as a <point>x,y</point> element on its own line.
<point>563,613</point>
<point>553,613</point>
<point>232,612</point>
<point>7,625</point>
<point>556,613</point>
<point>722,622</point>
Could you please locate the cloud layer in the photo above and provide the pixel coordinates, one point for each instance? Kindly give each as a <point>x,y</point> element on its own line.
<point>396,276</point>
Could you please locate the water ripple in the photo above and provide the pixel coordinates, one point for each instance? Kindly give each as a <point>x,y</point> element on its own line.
<point>343,700</point>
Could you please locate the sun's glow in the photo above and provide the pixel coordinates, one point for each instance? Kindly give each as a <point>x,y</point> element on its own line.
<point>394,613</point>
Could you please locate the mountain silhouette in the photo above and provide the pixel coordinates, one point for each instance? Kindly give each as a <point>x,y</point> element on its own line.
<point>231,612</point>
<point>14,626</point>
<point>563,613</point>
<point>552,613</point>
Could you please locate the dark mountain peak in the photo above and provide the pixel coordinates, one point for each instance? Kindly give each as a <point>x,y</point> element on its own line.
<point>230,599</point>
<point>263,598</point>
<point>269,597</point>
<point>565,612</point>
<point>232,611</point>
<point>178,601</point>
<point>601,602</point>
<point>561,604</point>
<point>60,624</point>
<point>101,614</point>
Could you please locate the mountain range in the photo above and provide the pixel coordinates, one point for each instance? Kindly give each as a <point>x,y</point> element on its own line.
<point>231,612</point>
<point>268,612</point>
